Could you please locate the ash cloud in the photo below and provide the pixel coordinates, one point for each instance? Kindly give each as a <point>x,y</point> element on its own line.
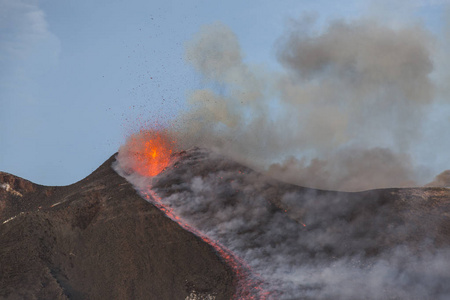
<point>441,180</point>
<point>349,97</point>
<point>358,169</point>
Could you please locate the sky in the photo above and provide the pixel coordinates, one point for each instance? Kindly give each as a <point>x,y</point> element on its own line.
<point>77,77</point>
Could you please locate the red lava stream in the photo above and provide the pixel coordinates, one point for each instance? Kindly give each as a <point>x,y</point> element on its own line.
<point>150,152</point>
<point>247,287</point>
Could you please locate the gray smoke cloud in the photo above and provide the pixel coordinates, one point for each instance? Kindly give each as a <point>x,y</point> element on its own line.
<point>441,180</point>
<point>310,244</point>
<point>349,97</point>
<point>350,169</point>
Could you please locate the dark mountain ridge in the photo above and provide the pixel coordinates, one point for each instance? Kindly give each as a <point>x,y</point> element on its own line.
<point>98,239</point>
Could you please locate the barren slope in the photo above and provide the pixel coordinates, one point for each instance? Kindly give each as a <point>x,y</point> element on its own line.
<point>97,239</point>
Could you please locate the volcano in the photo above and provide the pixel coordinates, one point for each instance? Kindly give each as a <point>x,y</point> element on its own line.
<point>209,228</point>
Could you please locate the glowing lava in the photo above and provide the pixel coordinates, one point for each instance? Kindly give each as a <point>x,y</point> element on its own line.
<point>149,151</point>
<point>249,287</point>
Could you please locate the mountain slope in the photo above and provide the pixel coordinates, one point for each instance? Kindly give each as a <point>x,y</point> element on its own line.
<point>97,239</point>
<point>314,244</point>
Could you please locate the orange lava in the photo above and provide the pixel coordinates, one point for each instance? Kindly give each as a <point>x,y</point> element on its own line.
<point>247,288</point>
<point>150,151</point>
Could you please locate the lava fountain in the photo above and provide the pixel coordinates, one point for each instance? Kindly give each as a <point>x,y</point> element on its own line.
<point>147,154</point>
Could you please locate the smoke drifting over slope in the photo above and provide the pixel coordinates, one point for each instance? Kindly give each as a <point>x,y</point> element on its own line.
<point>311,244</point>
<point>441,180</point>
<point>342,114</point>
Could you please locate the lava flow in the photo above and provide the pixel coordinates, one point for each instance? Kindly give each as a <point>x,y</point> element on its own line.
<point>247,287</point>
<point>149,153</point>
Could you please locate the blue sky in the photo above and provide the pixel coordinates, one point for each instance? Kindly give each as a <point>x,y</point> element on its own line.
<point>77,76</point>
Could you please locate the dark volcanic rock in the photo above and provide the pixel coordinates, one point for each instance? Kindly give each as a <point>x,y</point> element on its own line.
<point>98,239</point>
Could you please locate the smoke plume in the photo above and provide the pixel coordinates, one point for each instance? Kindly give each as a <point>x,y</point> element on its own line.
<point>342,113</point>
<point>305,243</point>
<point>441,180</point>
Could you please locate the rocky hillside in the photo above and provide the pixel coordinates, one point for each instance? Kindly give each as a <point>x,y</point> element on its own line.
<point>98,239</point>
